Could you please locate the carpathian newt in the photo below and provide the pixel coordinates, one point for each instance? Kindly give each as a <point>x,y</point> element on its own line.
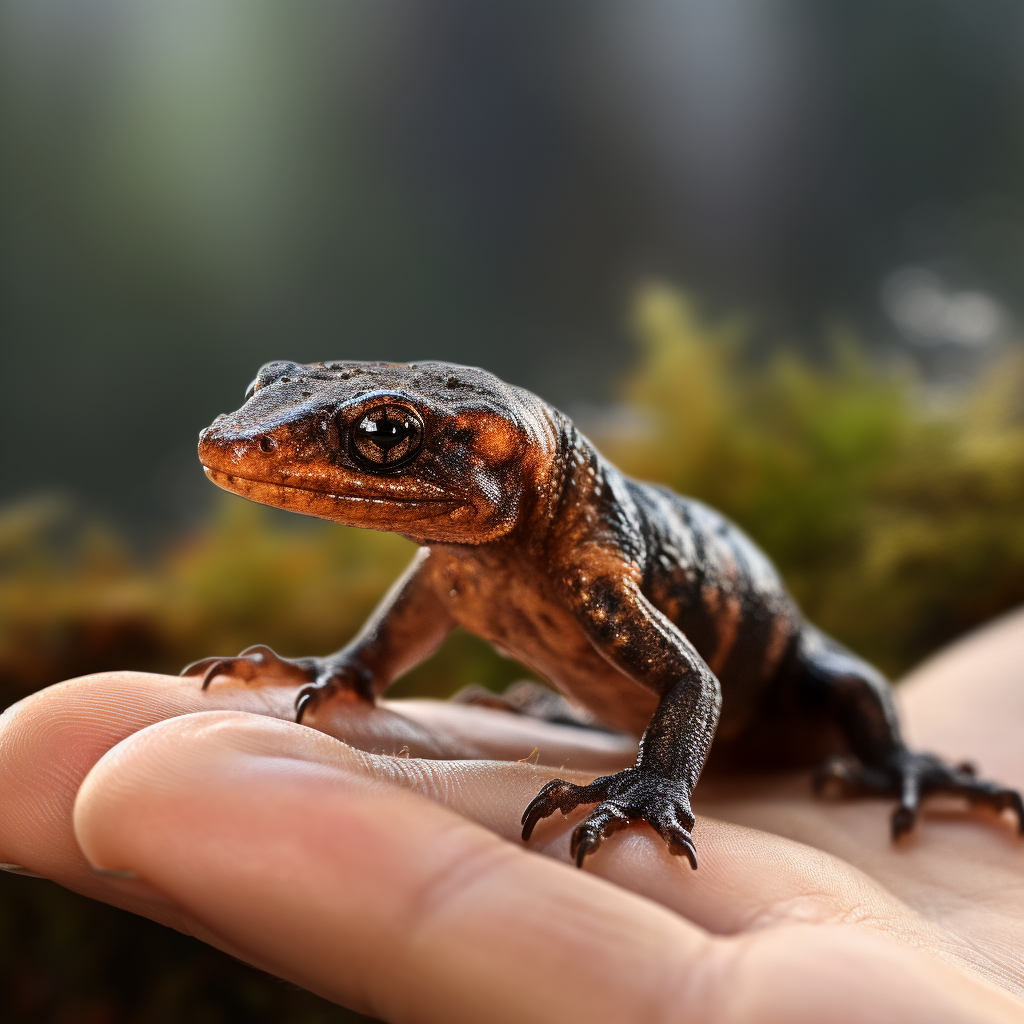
<point>650,610</point>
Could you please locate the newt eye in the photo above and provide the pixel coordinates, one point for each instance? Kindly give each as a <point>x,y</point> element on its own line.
<point>386,436</point>
<point>251,389</point>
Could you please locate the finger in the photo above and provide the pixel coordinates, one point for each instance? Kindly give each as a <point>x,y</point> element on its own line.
<point>747,881</point>
<point>384,900</point>
<point>480,732</point>
<point>50,740</point>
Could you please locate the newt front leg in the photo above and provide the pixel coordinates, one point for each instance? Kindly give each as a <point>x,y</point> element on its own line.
<point>407,627</point>
<point>638,640</point>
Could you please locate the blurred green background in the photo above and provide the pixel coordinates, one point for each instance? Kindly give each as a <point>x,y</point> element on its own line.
<point>770,253</point>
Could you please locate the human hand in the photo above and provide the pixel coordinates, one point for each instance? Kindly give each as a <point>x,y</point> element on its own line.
<point>398,885</point>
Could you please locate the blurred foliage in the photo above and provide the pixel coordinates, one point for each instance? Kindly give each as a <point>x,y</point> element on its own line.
<point>895,517</point>
<point>73,600</point>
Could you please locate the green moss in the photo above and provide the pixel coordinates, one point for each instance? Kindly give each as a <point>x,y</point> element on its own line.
<point>72,601</point>
<point>898,526</point>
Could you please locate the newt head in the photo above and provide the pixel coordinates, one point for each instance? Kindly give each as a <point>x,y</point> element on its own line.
<point>432,450</point>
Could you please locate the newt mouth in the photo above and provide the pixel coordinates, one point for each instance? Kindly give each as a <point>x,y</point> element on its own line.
<point>269,492</point>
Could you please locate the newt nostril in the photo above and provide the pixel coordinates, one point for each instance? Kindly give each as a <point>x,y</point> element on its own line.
<point>267,443</point>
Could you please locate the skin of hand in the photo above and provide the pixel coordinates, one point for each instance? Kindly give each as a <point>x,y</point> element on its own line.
<point>395,882</point>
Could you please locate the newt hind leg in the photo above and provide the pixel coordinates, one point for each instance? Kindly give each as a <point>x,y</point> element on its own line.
<point>828,677</point>
<point>910,777</point>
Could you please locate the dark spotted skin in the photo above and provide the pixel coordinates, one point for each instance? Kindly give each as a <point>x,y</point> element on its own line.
<point>650,611</point>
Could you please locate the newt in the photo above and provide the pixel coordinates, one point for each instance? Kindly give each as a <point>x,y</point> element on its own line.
<point>650,611</point>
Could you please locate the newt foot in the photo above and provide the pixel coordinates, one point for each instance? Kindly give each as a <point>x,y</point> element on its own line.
<point>256,661</point>
<point>630,795</point>
<point>325,678</point>
<point>334,680</point>
<point>911,777</point>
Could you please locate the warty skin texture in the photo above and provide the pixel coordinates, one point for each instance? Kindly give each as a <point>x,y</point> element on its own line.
<point>649,612</point>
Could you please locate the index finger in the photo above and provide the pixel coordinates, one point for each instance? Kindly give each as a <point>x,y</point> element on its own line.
<point>50,740</point>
